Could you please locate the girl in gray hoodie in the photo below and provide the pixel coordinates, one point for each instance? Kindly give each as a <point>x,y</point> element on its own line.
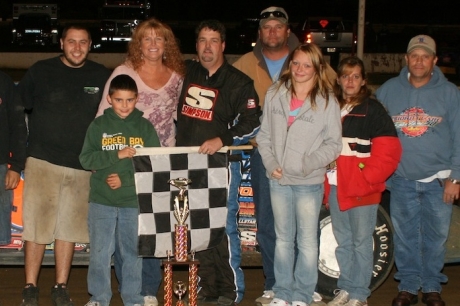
<point>299,136</point>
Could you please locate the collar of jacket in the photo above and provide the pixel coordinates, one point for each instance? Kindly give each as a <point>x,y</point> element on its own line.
<point>292,43</point>
<point>360,110</point>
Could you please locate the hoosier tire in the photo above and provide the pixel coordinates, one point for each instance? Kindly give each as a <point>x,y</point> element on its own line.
<point>328,269</point>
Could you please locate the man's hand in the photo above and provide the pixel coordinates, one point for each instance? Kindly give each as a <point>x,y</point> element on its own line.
<point>126,152</point>
<point>11,179</point>
<point>451,191</point>
<point>211,146</point>
<point>113,180</point>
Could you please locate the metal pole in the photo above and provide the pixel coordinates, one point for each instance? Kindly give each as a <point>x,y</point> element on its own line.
<point>183,150</point>
<point>361,22</point>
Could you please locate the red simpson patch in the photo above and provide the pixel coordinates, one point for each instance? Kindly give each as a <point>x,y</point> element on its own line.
<point>251,103</point>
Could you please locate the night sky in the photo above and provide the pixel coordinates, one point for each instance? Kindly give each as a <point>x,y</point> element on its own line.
<point>377,11</point>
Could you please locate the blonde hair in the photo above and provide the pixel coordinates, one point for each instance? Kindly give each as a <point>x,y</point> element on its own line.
<point>322,86</point>
<point>172,57</point>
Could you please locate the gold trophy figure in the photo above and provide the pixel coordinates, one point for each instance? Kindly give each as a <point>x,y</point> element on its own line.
<point>180,288</point>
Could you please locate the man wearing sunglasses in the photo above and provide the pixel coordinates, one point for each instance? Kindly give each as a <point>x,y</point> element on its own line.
<point>264,65</point>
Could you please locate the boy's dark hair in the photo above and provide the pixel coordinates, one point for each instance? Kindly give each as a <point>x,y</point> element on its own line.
<point>122,82</point>
<point>75,27</point>
<point>211,24</point>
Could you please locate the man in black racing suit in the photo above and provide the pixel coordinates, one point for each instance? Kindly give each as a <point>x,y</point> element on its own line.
<point>218,107</point>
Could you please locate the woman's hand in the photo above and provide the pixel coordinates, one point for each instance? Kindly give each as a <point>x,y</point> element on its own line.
<point>277,174</point>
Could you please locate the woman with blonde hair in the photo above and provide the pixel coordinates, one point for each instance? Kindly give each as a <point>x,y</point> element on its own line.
<point>155,62</point>
<point>299,136</point>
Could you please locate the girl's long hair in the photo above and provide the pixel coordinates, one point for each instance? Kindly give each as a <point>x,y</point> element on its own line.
<point>172,57</point>
<point>345,67</point>
<point>322,86</point>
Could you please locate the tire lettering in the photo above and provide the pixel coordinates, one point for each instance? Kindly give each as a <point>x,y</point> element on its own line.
<point>380,229</point>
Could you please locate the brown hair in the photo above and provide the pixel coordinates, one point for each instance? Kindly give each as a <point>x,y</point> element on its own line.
<point>322,85</point>
<point>214,25</point>
<point>122,82</point>
<point>75,27</point>
<point>172,57</point>
<point>345,66</point>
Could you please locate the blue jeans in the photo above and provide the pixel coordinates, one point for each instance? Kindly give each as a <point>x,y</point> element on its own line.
<point>266,236</point>
<point>296,211</point>
<point>421,221</point>
<point>231,228</point>
<point>151,274</point>
<point>6,204</point>
<point>110,229</point>
<point>353,230</point>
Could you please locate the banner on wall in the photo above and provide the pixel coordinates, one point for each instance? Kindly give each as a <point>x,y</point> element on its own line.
<point>247,220</point>
<point>16,224</point>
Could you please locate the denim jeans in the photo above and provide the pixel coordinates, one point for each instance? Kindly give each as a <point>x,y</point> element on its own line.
<point>113,228</point>
<point>296,212</point>
<point>151,274</point>
<point>6,204</point>
<point>421,221</point>
<point>231,228</point>
<point>266,236</point>
<point>353,230</point>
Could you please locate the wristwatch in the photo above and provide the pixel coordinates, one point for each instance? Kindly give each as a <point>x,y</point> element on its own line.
<point>454,181</point>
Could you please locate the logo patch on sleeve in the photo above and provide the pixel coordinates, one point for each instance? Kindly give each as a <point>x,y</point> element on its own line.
<point>251,103</point>
<point>91,90</point>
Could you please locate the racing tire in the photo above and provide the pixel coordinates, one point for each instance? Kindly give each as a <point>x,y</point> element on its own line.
<point>328,269</point>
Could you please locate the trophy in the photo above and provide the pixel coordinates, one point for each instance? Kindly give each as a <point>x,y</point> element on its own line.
<point>180,288</point>
<point>181,212</point>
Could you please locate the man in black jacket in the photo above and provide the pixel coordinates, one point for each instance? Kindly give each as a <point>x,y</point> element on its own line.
<point>218,107</point>
<point>13,135</point>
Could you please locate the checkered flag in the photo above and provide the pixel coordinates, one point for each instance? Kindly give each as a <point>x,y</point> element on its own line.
<point>207,198</point>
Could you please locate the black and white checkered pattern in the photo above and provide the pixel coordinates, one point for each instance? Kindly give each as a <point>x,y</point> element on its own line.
<point>207,199</point>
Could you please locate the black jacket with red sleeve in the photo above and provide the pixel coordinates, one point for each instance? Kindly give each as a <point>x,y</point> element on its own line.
<point>370,154</point>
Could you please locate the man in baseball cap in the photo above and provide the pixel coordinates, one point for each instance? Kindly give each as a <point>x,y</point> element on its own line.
<point>427,179</point>
<point>422,41</point>
<point>273,13</point>
<point>265,64</point>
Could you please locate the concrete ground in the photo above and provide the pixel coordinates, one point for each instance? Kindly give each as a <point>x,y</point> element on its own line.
<point>12,281</point>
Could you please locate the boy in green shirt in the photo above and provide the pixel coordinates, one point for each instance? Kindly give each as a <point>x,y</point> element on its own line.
<point>110,143</point>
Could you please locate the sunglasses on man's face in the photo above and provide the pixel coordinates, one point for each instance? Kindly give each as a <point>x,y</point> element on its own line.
<point>276,14</point>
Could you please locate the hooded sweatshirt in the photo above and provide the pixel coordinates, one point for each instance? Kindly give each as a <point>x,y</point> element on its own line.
<point>304,149</point>
<point>428,124</point>
<point>107,135</point>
